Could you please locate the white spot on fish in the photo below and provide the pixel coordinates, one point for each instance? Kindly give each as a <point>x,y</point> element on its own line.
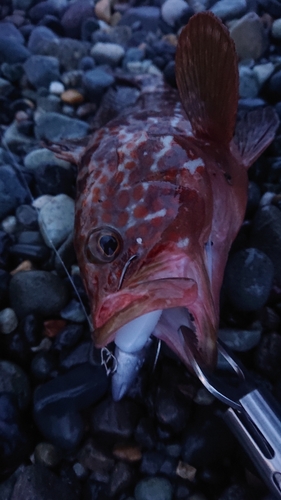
<point>183,242</point>
<point>160,213</point>
<point>139,241</point>
<point>192,165</point>
<point>166,141</point>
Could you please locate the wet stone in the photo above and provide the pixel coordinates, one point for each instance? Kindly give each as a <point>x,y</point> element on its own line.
<point>15,445</point>
<point>27,217</point>
<point>115,420</point>
<point>249,36</point>
<point>107,53</point>
<point>76,356</point>
<point>43,365</point>
<point>36,481</point>
<point>42,157</point>
<point>75,390</point>
<point>47,454</point>
<point>64,430</point>
<point>96,81</point>
<point>42,70</point>
<point>122,477</point>
<point>73,311</point>
<point>229,9</point>
<point>248,279</point>
<point>154,488</point>
<point>37,292</point>
<point>12,51</point>
<point>241,340</point>
<point>268,354</point>
<point>171,411</point>
<point>56,220</point>
<point>8,320</point>
<point>98,460</point>
<point>13,191</point>
<point>13,380</point>
<point>54,127</point>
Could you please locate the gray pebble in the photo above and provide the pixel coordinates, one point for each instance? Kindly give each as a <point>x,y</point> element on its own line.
<point>241,340</point>
<point>96,81</point>
<point>9,224</point>
<point>79,470</point>
<point>41,157</point>
<point>56,220</point>
<point>54,127</point>
<point>229,9</point>
<point>14,380</point>
<point>42,70</point>
<point>249,36</point>
<point>248,83</point>
<point>47,454</point>
<point>173,10</point>
<point>248,279</point>
<point>16,140</point>
<point>263,72</point>
<point>107,53</point>
<point>276,29</point>
<point>40,39</point>
<point>154,488</point>
<point>12,51</point>
<point>38,292</point>
<point>8,320</point>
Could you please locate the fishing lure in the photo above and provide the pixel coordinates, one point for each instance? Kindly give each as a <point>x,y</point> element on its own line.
<point>161,195</point>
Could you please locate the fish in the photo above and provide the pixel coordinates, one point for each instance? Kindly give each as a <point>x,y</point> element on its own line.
<point>161,195</point>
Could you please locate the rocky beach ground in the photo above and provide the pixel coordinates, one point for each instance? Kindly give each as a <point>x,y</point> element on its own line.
<point>61,435</point>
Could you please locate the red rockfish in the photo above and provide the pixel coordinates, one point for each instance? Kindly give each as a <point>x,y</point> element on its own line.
<point>162,191</point>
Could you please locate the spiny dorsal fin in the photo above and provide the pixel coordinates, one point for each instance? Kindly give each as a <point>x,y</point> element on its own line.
<point>254,132</point>
<point>207,77</point>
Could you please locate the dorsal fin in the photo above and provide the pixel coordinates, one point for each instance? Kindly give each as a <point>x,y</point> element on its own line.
<point>254,132</point>
<point>207,77</point>
<point>68,149</point>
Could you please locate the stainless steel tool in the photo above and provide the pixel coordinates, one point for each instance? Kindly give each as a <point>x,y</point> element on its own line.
<point>253,415</point>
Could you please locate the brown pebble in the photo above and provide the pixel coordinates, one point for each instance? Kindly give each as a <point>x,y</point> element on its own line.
<point>53,327</point>
<point>26,265</point>
<point>103,10</point>
<point>127,452</point>
<point>185,471</point>
<point>170,38</point>
<point>72,96</point>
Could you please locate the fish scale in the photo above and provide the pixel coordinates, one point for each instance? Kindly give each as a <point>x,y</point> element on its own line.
<point>161,195</point>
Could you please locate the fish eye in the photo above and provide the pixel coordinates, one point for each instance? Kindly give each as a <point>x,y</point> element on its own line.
<point>103,245</point>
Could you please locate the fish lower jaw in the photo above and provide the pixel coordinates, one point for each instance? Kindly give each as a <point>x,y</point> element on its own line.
<point>132,341</point>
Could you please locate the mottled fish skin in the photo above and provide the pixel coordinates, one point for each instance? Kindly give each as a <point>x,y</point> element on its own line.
<point>174,192</point>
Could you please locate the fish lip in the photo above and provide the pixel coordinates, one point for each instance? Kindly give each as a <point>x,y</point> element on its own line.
<point>163,293</point>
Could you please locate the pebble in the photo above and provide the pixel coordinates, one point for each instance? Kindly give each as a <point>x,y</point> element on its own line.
<point>72,96</point>
<point>26,217</point>
<point>145,433</point>
<point>241,340</point>
<point>9,224</point>
<point>56,88</point>
<point>249,36</point>
<point>15,445</point>
<point>9,30</point>
<point>96,81</point>
<point>74,16</point>
<point>263,72</point>
<point>42,70</point>
<point>97,459</point>
<point>55,180</point>
<point>266,236</point>
<point>171,411</point>
<point>152,462</point>
<point>13,380</point>
<point>75,390</point>
<point>273,87</point>
<point>13,191</point>
<point>107,53</point>
<point>115,420</point>
<point>41,157</point>
<point>41,39</point>
<point>37,292</point>
<point>103,10</point>
<point>268,353</point>
<point>12,51</point>
<point>73,311</point>
<point>47,454</point>
<point>229,9</point>
<point>79,470</point>
<point>122,477</point>
<point>54,127</point>
<point>8,320</point>
<point>36,481</point>
<point>75,356</point>
<point>248,83</point>
<point>56,220</point>
<point>173,10</point>
<point>276,29</point>
<point>154,488</point>
<point>127,452</point>
<point>53,327</point>
<point>248,279</point>
<point>43,365</point>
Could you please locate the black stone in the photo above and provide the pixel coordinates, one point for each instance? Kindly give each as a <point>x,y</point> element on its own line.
<point>254,195</point>
<point>75,357</point>
<point>75,390</point>
<point>13,191</point>
<point>169,74</point>
<point>31,328</point>
<point>272,7</point>
<point>38,482</point>
<point>4,286</point>
<point>29,238</point>
<point>145,433</point>
<point>53,180</point>
<point>89,26</point>
<point>122,477</point>
<point>115,420</point>
<point>151,462</point>
<point>37,292</point>
<point>5,245</point>
<point>248,279</point>
<point>68,337</point>
<point>63,429</point>
<point>16,348</point>
<point>41,9</point>
<point>12,51</point>
<point>171,411</point>
<point>268,355</point>
<point>43,365</point>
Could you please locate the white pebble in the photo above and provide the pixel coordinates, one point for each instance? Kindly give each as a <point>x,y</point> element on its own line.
<point>266,199</point>
<point>9,224</point>
<point>56,88</point>
<point>276,29</point>
<point>8,320</point>
<point>41,201</point>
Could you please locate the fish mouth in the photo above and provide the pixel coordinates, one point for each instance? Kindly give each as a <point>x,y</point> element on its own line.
<point>159,307</point>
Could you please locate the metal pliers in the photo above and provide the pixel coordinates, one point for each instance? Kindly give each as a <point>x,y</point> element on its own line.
<point>253,415</point>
